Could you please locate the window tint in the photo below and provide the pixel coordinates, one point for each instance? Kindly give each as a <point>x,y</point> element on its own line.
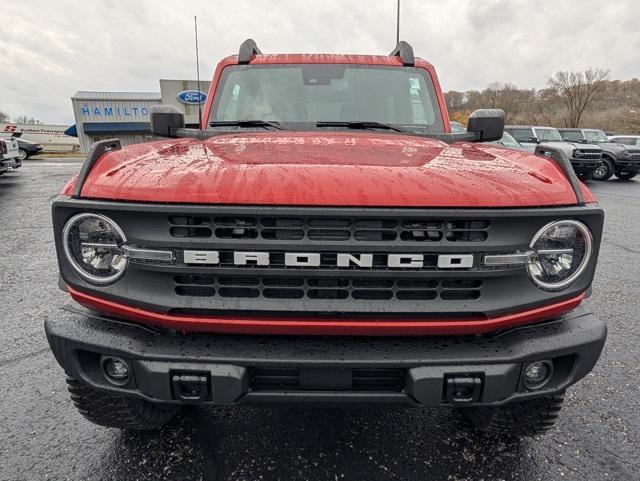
<point>572,135</point>
<point>521,135</point>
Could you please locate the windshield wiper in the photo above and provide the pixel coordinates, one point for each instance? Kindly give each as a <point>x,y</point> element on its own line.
<point>245,123</point>
<point>362,124</point>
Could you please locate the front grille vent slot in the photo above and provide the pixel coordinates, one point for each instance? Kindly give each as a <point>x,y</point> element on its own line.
<point>333,288</point>
<point>362,380</point>
<point>326,229</point>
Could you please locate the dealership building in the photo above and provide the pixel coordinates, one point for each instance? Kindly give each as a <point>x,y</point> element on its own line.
<point>125,115</point>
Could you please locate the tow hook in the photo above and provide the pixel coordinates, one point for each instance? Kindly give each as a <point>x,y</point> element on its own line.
<point>191,388</point>
<point>462,389</point>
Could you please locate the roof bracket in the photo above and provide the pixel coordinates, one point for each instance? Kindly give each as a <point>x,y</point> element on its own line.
<point>96,151</point>
<point>248,49</point>
<point>405,52</point>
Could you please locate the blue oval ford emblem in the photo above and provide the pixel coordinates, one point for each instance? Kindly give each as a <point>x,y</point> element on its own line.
<point>192,97</point>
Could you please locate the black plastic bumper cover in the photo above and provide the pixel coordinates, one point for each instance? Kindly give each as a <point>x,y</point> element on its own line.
<point>80,339</point>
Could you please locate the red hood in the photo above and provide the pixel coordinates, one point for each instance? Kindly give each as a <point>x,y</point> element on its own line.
<point>328,168</point>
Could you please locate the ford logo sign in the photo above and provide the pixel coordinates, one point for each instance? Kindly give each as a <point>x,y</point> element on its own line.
<point>192,97</point>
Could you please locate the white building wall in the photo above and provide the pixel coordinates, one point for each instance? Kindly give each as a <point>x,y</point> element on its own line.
<point>112,107</point>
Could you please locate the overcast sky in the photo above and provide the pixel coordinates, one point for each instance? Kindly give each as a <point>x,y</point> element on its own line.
<point>49,49</point>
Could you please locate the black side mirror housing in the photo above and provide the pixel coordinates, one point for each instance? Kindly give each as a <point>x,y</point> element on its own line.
<point>534,140</point>
<point>486,124</point>
<point>165,120</point>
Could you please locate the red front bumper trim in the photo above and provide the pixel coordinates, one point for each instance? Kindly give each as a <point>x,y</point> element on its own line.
<point>333,327</point>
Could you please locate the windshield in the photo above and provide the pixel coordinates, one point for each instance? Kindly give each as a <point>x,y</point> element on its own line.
<point>299,96</point>
<point>596,136</point>
<point>508,141</point>
<point>548,135</point>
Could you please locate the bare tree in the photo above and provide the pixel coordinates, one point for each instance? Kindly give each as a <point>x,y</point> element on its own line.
<point>24,119</point>
<point>455,100</point>
<point>506,97</point>
<point>577,90</point>
<point>4,117</point>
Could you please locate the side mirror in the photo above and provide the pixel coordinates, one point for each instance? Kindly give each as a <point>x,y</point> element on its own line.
<point>533,140</point>
<point>165,120</point>
<point>486,124</point>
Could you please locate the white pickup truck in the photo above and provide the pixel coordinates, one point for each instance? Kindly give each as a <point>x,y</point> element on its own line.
<point>9,155</point>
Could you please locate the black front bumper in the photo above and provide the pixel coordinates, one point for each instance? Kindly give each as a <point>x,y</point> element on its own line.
<point>625,165</point>
<point>233,369</point>
<point>584,166</point>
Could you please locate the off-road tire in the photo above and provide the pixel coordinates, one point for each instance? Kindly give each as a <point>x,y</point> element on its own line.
<point>626,175</point>
<point>526,418</point>
<point>604,171</point>
<point>115,411</point>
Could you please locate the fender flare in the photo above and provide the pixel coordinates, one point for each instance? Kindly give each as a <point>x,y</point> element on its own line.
<point>558,156</point>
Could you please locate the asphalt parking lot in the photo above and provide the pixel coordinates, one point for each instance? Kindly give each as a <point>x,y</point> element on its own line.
<point>43,437</point>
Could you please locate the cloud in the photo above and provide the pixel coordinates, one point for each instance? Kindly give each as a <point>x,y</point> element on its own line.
<point>51,49</point>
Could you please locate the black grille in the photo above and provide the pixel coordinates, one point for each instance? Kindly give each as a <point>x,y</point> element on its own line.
<point>328,288</point>
<point>362,380</point>
<point>323,229</point>
<point>588,154</point>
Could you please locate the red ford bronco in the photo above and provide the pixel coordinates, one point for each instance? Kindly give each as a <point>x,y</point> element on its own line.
<point>323,238</point>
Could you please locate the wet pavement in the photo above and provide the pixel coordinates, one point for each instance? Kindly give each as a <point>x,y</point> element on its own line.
<point>43,437</point>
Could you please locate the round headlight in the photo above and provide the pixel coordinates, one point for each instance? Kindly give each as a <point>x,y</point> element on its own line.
<point>93,245</point>
<point>561,252</point>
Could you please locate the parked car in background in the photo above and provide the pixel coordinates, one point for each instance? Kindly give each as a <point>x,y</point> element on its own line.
<point>9,154</point>
<point>27,148</point>
<point>618,159</point>
<point>584,158</point>
<point>457,127</point>
<point>625,139</point>
<point>509,141</point>
<point>3,151</point>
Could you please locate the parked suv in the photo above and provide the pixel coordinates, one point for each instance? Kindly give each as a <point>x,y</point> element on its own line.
<point>625,139</point>
<point>585,158</point>
<point>325,239</point>
<point>618,159</point>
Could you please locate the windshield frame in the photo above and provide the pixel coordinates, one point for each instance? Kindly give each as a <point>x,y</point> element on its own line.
<point>434,93</point>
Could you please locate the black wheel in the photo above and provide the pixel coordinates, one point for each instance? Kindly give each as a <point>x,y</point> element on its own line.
<point>604,171</point>
<point>626,175</point>
<point>526,418</point>
<point>114,411</point>
<point>22,154</point>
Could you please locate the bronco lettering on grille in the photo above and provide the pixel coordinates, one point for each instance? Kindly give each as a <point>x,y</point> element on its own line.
<point>312,259</point>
